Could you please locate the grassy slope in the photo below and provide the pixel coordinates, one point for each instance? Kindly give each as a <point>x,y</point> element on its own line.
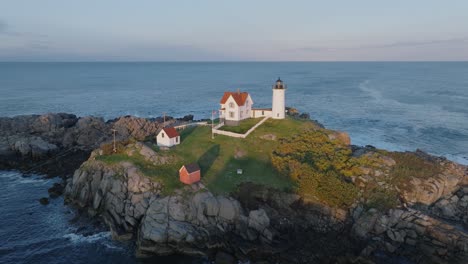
<point>217,157</point>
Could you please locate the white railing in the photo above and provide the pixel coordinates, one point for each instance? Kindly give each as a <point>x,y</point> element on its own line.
<point>191,124</point>
<point>219,125</point>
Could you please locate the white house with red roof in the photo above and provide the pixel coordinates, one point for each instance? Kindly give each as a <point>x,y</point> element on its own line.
<point>235,106</point>
<point>168,137</point>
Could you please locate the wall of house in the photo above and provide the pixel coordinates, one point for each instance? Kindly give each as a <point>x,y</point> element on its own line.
<point>239,112</point>
<point>260,113</point>
<point>189,178</point>
<point>231,107</point>
<point>166,141</point>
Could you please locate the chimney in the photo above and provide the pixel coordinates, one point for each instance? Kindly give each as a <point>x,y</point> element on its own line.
<point>238,90</point>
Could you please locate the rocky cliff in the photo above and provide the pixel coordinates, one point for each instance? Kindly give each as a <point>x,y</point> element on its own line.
<point>57,144</point>
<point>257,223</point>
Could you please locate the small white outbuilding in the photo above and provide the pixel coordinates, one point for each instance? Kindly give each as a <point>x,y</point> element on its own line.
<point>168,137</point>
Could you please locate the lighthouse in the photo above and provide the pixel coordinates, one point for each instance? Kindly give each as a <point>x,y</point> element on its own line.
<point>278,104</point>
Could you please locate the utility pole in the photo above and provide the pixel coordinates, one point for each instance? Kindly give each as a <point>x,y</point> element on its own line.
<point>164,119</point>
<point>113,132</point>
<point>212,125</point>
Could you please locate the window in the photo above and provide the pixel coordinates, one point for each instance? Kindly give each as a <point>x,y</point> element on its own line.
<point>263,113</point>
<point>277,115</point>
<point>162,134</point>
<point>231,105</point>
<point>231,114</point>
<point>177,139</point>
<point>241,114</point>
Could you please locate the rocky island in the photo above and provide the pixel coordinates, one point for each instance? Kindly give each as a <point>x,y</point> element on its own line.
<point>306,194</point>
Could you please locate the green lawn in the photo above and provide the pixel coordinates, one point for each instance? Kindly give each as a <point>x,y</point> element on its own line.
<point>243,126</point>
<point>219,158</point>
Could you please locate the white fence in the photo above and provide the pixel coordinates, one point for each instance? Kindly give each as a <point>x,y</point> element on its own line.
<point>237,135</point>
<point>191,124</point>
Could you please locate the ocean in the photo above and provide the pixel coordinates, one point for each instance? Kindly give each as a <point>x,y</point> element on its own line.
<point>54,233</point>
<point>391,105</point>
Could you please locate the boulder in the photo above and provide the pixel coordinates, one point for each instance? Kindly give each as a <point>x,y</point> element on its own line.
<point>224,258</point>
<point>258,220</point>
<point>35,147</point>
<point>44,201</point>
<point>135,127</point>
<point>229,208</point>
<point>56,190</point>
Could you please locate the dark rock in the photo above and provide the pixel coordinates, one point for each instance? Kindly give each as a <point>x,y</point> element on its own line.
<point>187,118</point>
<point>160,119</point>
<point>56,190</point>
<point>304,116</point>
<point>292,111</point>
<point>44,201</point>
<point>224,258</point>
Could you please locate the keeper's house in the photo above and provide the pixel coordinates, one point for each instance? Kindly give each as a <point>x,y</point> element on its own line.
<point>235,106</point>
<point>168,137</point>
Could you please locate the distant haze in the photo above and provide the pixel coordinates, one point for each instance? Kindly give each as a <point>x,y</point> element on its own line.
<point>260,30</point>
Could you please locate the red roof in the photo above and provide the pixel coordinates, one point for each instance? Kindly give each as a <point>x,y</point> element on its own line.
<point>192,167</point>
<point>239,97</point>
<point>171,132</point>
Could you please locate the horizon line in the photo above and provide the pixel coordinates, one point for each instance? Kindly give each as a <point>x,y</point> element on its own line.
<point>216,61</point>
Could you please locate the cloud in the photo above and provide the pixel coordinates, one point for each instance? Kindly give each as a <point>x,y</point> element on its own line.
<point>420,43</point>
<point>5,29</point>
<point>383,46</point>
<point>3,26</point>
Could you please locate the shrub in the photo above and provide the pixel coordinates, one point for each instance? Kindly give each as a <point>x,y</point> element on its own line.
<point>319,166</point>
<point>409,165</point>
<point>108,148</point>
<point>382,199</point>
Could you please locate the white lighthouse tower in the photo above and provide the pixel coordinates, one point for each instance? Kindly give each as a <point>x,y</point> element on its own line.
<point>278,104</point>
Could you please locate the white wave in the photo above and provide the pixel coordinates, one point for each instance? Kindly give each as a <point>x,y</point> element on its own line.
<point>104,238</point>
<point>78,238</point>
<point>363,140</point>
<point>18,177</point>
<point>416,115</point>
<point>457,159</point>
<point>33,180</point>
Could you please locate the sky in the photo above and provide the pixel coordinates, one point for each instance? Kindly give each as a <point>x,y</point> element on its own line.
<point>241,30</point>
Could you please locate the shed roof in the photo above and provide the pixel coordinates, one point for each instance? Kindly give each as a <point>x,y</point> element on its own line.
<point>171,132</point>
<point>239,97</point>
<point>192,167</point>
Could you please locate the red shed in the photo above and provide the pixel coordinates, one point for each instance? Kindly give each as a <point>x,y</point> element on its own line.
<point>190,173</point>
